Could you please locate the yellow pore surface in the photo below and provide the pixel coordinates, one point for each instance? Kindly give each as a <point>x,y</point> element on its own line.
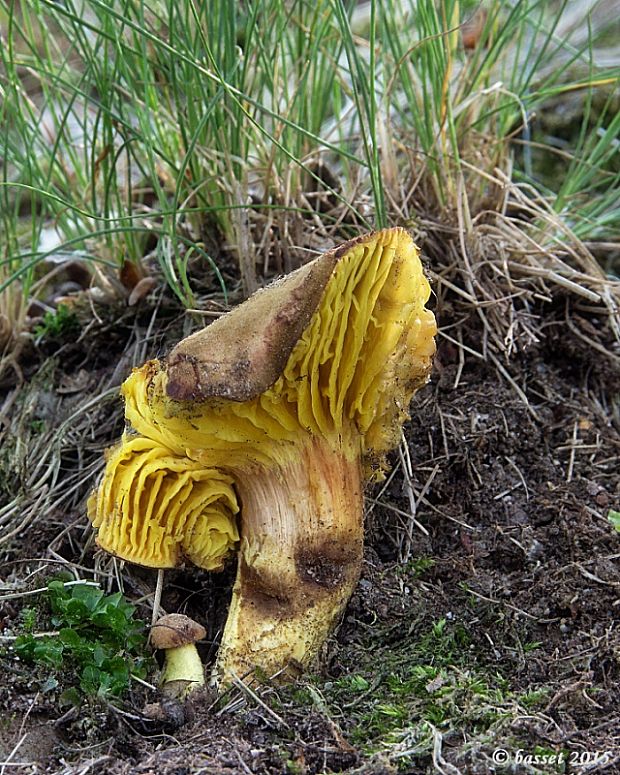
<point>348,380</point>
<point>156,508</point>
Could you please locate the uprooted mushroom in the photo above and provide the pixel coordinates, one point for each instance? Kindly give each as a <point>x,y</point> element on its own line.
<point>258,433</point>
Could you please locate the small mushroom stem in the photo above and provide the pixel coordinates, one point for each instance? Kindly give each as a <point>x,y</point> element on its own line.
<point>300,558</point>
<point>183,670</point>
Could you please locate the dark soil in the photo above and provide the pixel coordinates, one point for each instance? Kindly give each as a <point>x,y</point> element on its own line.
<point>491,624</point>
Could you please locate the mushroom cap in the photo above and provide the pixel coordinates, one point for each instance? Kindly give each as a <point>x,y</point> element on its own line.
<point>332,352</point>
<point>175,630</point>
<point>243,353</point>
<point>348,378</point>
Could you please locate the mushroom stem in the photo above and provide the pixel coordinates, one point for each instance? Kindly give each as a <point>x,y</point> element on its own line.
<point>300,558</point>
<point>183,670</point>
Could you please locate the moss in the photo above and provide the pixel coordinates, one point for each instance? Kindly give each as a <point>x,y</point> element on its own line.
<point>534,698</point>
<point>399,696</point>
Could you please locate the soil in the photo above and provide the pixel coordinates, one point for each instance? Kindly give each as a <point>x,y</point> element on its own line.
<point>487,622</point>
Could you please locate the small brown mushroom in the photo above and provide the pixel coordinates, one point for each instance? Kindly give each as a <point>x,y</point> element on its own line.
<point>177,635</point>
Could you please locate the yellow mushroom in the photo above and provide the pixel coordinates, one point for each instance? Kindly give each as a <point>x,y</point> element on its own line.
<point>288,405</point>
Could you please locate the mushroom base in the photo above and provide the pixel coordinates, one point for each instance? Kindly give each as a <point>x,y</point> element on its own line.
<point>300,559</point>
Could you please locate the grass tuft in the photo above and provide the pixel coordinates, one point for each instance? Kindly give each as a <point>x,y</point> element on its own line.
<point>178,135</point>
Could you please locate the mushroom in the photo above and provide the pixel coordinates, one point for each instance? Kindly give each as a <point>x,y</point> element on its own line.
<point>278,412</point>
<point>177,635</point>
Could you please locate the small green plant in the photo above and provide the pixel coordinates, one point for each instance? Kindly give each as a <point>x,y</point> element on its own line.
<point>57,324</point>
<point>534,698</point>
<point>98,640</point>
<point>417,567</point>
<point>354,683</point>
<point>614,518</point>
<point>28,617</point>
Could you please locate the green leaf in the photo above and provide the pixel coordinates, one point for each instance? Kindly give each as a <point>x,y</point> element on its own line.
<point>99,655</point>
<point>69,638</point>
<point>106,685</point>
<point>74,612</point>
<point>111,619</point>
<point>135,640</point>
<point>49,650</point>
<point>91,679</point>
<point>88,595</point>
<point>57,588</point>
<point>614,518</point>
<point>24,647</point>
<point>113,601</point>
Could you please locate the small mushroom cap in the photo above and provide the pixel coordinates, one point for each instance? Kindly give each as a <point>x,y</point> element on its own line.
<point>175,630</point>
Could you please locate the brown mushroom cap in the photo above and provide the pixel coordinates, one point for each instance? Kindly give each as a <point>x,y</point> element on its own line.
<point>243,353</point>
<point>175,630</point>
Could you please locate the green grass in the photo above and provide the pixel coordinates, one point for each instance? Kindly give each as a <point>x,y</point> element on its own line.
<point>132,132</point>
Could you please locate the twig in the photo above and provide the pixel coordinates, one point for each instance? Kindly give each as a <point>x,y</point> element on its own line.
<point>573,449</point>
<point>30,593</point>
<point>7,762</point>
<point>157,597</point>
<point>142,682</point>
<point>251,693</point>
<point>50,634</point>
<point>592,577</point>
<point>517,389</point>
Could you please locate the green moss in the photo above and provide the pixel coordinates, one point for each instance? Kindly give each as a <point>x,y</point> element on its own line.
<point>402,694</point>
<point>416,567</point>
<point>58,324</point>
<point>534,698</point>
